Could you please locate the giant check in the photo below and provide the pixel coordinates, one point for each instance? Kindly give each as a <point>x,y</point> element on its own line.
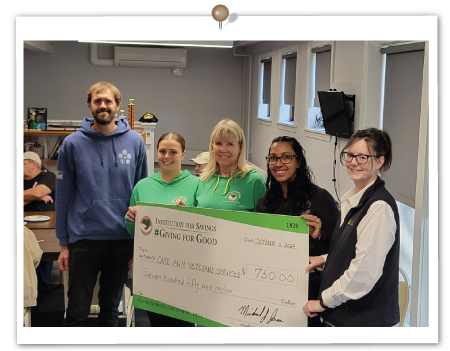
<point>221,268</point>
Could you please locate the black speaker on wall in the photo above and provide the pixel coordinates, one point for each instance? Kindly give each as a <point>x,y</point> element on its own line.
<point>338,112</point>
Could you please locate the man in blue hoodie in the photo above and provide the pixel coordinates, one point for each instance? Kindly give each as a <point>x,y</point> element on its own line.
<point>97,169</point>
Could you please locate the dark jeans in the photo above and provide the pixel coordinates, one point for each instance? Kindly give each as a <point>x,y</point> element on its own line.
<point>86,259</point>
<point>43,272</point>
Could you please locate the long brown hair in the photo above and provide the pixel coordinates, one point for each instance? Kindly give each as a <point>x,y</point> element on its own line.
<point>301,188</point>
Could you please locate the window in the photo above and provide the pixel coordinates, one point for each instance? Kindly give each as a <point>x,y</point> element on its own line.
<point>287,87</point>
<point>401,116</point>
<point>319,81</point>
<point>265,82</point>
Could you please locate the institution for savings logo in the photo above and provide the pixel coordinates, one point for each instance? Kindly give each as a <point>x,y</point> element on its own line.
<point>146,225</point>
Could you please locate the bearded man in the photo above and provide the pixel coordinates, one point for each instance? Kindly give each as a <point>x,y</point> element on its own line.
<point>97,168</point>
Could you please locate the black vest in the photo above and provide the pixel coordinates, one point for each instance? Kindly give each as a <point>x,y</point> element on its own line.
<point>379,307</point>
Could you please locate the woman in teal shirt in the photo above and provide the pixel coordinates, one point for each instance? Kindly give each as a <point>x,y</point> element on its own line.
<point>168,186</point>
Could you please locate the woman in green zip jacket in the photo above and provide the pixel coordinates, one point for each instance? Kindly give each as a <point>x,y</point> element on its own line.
<point>168,186</point>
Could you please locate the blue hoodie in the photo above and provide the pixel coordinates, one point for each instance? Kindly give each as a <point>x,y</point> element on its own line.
<point>96,175</point>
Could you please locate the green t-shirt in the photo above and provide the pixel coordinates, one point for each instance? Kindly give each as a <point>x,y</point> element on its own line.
<point>154,189</point>
<point>231,193</point>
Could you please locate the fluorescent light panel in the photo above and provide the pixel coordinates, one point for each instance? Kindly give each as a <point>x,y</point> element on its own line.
<point>201,44</point>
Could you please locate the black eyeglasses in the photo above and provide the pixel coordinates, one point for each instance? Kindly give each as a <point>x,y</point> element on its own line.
<point>360,159</point>
<point>285,159</point>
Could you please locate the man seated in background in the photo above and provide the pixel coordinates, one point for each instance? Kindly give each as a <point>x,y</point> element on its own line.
<point>200,162</point>
<point>38,185</point>
<point>38,195</point>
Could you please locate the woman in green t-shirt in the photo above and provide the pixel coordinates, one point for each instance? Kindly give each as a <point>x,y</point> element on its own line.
<point>228,182</point>
<point>168,186</point>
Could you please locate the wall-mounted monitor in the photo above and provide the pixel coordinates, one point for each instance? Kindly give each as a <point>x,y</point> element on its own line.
<point>337,113</point>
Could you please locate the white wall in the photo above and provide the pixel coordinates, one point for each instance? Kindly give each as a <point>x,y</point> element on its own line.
<point>210,90</point>
<point>214,86</point>
<point>349,74</point>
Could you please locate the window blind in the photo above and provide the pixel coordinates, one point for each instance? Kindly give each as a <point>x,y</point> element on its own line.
<point>267,78</point>
<point>289,78</point>
<point>322,74</point>
<point>401,118</point>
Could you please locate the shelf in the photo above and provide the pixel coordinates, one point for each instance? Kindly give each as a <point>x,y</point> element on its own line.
<point>47,132</point>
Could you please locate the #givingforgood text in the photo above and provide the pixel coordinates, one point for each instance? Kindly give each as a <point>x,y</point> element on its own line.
<point>199,238</point>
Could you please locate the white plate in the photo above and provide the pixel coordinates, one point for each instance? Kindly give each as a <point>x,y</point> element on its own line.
<point>36,218</point>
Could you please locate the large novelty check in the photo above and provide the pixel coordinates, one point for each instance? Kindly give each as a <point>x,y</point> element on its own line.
<point>221,268</point>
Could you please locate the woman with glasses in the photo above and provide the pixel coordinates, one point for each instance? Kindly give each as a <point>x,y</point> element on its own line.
<point>290,191</point>
<point>360,273</point>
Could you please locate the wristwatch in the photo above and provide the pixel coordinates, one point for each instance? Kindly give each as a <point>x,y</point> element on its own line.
<point>322,304</point>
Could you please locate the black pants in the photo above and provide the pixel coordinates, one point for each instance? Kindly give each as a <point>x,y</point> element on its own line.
<point>313,293</point>
<point>86,259</point>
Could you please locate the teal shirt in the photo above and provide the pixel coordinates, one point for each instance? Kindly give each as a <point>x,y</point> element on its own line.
<point>154,189</point>
<point>231,193</point>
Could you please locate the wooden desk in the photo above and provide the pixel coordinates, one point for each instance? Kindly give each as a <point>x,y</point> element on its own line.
<point>49,244</point>
<point>50,224</point>
<point>45,235</point>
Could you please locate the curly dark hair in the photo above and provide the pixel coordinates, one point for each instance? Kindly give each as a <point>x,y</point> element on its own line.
<point>299,190</point>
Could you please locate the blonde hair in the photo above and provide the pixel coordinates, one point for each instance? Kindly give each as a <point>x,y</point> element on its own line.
<point>227,129</point>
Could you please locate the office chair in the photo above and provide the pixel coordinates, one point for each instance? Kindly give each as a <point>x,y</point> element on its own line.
<point>27,317</point>
<point>404,293</point>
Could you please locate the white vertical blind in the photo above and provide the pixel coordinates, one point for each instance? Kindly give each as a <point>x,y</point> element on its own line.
<point>401,117</point>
